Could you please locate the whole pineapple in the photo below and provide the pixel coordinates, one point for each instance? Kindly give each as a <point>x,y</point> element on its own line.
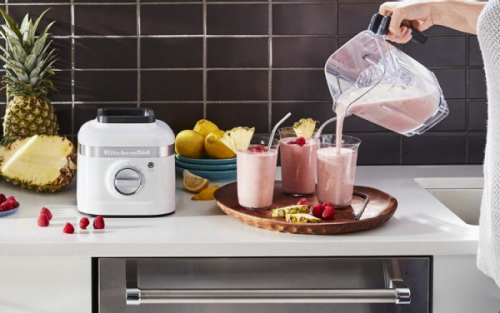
<point>28,64</point>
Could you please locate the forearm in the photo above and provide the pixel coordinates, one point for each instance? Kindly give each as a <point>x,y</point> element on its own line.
<point>461,16</point>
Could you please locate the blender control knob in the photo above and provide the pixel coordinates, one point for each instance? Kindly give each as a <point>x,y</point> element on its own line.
<point>128,181</point>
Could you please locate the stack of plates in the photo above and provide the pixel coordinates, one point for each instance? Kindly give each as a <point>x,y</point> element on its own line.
<point>212,169</point>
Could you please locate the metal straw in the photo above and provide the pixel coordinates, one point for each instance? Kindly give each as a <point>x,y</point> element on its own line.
<point>318,133</point>
<point>275,129</point>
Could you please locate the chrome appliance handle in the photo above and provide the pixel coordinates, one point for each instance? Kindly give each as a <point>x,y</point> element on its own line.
<point>396,293</point>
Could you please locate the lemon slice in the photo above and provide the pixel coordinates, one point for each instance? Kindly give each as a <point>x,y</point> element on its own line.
<point>194,183</point>
<point>305,127</point>
<point>206,194</point>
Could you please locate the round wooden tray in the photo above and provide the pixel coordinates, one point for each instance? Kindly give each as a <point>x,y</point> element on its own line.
<point>380,209</point>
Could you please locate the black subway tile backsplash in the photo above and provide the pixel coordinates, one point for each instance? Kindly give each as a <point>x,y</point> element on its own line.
<point>302,52</point>
<point>106,86</point>
<point>183,19</point>
<point>171,85</point>
<point>98,20</point>
<point>229,115</point>
<point>247,63</point>
<point>237,85</point>
<point>238,52</point>
<point>304,19</point>
<point>171,52</point>
<point>300,85</point>
<point>244,19</point>
<point>113,53</point>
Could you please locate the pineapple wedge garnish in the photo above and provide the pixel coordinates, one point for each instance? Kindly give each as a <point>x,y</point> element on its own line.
<point>305,127</point>
<point>292,209</point>
<point>301,218</point>
<point>228,141</point>
<point>238,138</point>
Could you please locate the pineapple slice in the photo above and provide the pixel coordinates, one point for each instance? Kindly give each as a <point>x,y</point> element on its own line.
<point>301,218</point>
<point>228,141</point>
<point>293,209</point>
<point>41,163</point>
<point>242,137</point>
<point>305,127</point>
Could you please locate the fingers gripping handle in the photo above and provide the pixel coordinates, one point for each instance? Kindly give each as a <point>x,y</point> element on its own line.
<point>380,24</point>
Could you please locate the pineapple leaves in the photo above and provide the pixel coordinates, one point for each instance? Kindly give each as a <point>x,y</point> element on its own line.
<point>28,58</point>
<point>11,23</point>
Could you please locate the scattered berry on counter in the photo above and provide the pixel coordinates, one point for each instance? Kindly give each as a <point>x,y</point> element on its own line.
<point>99,222</point>
<point>2,198</point>
<point>84,222</point>
<point>68,228</point>
<point>303,201</point>
<point>43,220</point>
<point>328,212</point>
<point>327,204</point>
<point>317,210</point>
<point>46,212</point>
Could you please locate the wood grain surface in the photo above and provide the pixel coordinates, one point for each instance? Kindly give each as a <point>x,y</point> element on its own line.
<point>380,209</point>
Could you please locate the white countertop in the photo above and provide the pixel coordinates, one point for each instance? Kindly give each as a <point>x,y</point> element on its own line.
<point>420,226</point>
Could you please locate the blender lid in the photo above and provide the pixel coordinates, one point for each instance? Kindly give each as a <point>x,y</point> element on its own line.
<point>125,115</point>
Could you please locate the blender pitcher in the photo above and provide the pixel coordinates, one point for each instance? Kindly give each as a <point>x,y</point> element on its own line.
<point>372,79</point>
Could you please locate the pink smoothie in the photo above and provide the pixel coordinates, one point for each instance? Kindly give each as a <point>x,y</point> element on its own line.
<point>298,166</point>
<point>256,172</point>
<point>336,173</point>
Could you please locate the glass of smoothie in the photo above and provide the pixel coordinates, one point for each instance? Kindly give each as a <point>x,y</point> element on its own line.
<point>336,169</point>
<point>298,163</point>
<point>256,171</point>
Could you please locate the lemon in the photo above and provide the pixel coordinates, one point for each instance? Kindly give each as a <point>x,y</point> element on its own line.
<point>215,148</point>
<point>193,182</point>
<point>189,144</point>
<point>205,127</point>
<point>206,194</point>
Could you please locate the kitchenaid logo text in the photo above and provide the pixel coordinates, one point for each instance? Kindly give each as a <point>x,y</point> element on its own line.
<point>121,152</point>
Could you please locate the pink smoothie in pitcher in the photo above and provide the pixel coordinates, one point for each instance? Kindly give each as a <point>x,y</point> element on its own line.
<point>256,172</point>
<point>298,166</point>
<point>336,173</point>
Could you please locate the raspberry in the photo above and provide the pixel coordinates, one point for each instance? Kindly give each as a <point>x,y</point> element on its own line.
<point>257,149</point>
<point>46,212</point>
<point>8,205</point>
<point>301,141</point>
<point>293,142</point>
<point>43,221</point>
<point>68,228</point>
<point>328,204</point>
<point>303,201</point>
<point>328,213</point>
<point>99,223</point>
<point>84,222</point>
<point>317,210</point>
<point>2,198</point>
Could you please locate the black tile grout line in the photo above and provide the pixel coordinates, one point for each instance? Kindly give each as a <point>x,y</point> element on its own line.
<point>270,72</point>
<point>277,69</point>
<point>205,60</point>
<point>138,30</point>
<point>73,63</point>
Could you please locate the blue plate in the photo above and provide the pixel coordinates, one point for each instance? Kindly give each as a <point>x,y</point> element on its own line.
<point>9,212</point>
<point>211,175</point>
<point>205,161</point>
<point>210,167</point>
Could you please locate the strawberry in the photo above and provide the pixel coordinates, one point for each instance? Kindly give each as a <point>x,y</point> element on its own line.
<point>68,228</point>
<point>328,212</point>
<point>43,221</point>
<point>301,141</point>
<point>2,198</point>
<point>98,223</point>
<point>84,222</point>
<point>303,201</point>
<point>317,210</point>
<point>46,212</point>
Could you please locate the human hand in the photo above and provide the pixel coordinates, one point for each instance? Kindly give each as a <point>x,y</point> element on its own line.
<point>416,14</point>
